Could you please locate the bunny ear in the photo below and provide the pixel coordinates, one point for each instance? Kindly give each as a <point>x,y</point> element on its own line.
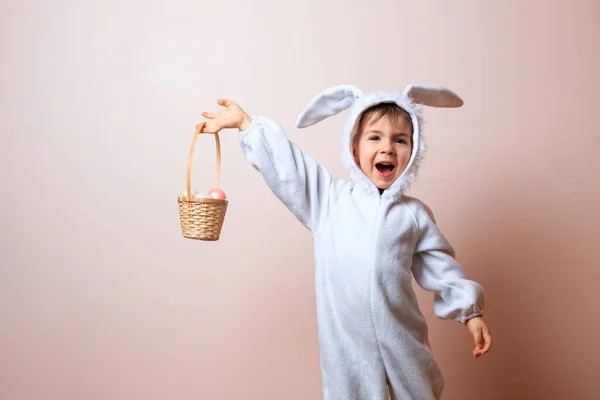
<point>433,96</point>
<point>328,103</point>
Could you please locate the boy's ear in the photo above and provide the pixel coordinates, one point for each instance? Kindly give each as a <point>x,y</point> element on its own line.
<point>328,103</point>
<point>433,96</point>
<point>354,151</point>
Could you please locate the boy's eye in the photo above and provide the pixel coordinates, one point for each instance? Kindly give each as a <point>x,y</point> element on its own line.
<point>400,141</point>
<point>374,138</point>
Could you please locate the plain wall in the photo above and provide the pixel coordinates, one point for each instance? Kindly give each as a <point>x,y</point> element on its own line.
<point>102,298</point>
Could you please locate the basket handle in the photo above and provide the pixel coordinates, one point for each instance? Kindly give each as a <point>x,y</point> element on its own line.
<point>188,174</point>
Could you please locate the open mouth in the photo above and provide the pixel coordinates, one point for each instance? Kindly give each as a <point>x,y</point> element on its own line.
<point>385,169</point>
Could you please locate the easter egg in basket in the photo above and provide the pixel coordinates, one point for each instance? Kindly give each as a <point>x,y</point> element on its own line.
<point>217,193</point>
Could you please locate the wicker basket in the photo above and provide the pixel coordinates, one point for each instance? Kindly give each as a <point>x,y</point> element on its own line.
<point>201,218</point>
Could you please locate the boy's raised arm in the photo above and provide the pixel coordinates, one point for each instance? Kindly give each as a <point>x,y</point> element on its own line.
<point>294,177</point>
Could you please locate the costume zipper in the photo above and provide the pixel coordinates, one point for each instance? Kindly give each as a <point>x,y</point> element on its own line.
<point>372,278</point>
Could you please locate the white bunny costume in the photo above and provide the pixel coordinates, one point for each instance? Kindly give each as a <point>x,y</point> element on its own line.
<point>367,249</point>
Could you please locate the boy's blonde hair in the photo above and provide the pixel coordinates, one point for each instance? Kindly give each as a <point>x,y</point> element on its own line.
<point>391,110</point>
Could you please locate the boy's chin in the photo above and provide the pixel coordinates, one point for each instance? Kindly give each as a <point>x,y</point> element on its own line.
<point>382,187</point>
<point>385,185</point>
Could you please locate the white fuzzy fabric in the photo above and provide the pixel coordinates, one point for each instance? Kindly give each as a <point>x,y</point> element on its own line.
<point>368,247</point>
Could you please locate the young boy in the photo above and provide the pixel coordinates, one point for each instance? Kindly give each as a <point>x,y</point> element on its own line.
<point>370,239</point>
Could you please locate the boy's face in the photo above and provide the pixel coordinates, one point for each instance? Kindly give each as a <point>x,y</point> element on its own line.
<point>382,149</point>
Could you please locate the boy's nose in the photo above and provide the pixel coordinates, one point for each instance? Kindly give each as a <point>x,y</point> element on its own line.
<point>387,148</point>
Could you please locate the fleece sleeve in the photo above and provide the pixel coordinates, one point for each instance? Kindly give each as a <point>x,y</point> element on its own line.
<point>294,177</point>
<point>435,269</point>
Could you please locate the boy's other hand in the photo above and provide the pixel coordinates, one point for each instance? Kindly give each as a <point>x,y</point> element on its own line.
<point>231,117</point>
<point>481,335</point>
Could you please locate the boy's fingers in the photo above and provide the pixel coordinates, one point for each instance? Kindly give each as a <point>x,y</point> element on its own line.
<point>224,102</point>
<point>479,351</point>
<point>208,115</point>
<point>201,127</point>
<point>488,342</point>
<point>208,128</point>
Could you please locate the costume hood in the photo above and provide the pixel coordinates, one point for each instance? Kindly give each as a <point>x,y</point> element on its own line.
<point>336,99</point>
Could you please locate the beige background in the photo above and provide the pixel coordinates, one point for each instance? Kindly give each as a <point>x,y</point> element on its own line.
<point>101,297</point>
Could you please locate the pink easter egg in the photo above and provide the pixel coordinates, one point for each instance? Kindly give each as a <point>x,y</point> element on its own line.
<point>217,193</point>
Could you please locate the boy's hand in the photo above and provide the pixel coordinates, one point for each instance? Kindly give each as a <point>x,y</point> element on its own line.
<point>481,335</point>
<point>231,117</point>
